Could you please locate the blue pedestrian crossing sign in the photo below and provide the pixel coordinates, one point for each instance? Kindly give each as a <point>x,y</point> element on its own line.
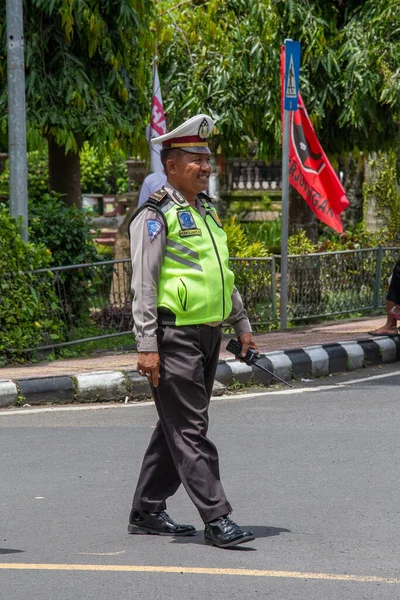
<point>292,74</point>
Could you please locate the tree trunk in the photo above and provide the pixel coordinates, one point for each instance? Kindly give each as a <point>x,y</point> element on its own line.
<point>65,173</point>
<point>301,216</point>
<point>353,168</point>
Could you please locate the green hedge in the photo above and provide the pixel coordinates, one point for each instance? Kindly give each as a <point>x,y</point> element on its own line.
<point>28,304</point>
<point>68,234</point>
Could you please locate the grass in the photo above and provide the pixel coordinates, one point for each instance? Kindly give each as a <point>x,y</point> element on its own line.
<point>122,343</point>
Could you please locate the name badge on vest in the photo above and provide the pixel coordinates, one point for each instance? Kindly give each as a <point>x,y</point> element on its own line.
<point>187,223</point>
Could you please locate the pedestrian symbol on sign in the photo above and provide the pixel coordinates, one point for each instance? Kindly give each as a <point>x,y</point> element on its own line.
<point>291,91</point>
<point>292,74</point>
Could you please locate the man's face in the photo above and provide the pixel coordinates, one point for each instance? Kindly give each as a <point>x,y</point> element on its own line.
<point>190,172</point>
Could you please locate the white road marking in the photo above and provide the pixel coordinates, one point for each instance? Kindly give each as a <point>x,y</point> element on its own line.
<point>101,553</point>
<point>71,407</point>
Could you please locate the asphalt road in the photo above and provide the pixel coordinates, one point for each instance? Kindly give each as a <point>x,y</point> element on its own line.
<point>314,473</point>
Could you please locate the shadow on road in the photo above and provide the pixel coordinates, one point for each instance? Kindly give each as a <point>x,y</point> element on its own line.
<point>263,531</point>
<point>9,551</point>
<point>260,531</point>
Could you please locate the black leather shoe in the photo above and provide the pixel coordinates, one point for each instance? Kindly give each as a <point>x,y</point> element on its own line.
<point>142,522</point>
<point>224,533</point>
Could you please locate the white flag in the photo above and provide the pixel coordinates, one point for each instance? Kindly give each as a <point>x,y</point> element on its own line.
<point>158,125</point>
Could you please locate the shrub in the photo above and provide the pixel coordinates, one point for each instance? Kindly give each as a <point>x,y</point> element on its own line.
<point>27,301</point>
<point>239,243</point>
<point>64,230</point>
<point>67,234</point>
<point>104,252</point>
<point>103,174</point>
<point>38,175</point>
<point>252,279</point>
<point>299,243</point>
<point>268,232</point>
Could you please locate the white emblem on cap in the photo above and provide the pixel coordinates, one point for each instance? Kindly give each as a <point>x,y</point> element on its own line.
<point>204,129</point>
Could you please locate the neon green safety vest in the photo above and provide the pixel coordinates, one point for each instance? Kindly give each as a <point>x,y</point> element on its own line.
<point>196,283</point>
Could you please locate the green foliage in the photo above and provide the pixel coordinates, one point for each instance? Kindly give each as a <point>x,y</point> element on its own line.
<point>68,235</point>
<point>252,278</point>
<point>27,301</point>
<point>103,173</point>
<point>268,232</point>
<point>299,243</point>
<point>87,70</point>
<point>38,175</point>
<point>335,242</point>
<point>65,231</point>
<point>239,244</point>
<point>104,252</point>
<point>349,240</point>
<point>384,190</point>
<point>236,237</point>
<point>120,343</point>
<point>223,58</point>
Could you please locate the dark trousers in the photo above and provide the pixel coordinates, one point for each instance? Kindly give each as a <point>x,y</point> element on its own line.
<point>179,449</point>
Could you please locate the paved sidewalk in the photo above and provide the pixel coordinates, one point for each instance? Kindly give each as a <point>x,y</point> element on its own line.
<point>303,352</point>
<point>267,342</point>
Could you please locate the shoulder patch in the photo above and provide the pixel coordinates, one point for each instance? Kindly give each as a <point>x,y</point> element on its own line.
<point>158,195</point>
<point>154,227</point>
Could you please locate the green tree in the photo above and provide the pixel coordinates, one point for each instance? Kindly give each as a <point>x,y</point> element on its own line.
<point>222,57</point>
<point>87,72</point>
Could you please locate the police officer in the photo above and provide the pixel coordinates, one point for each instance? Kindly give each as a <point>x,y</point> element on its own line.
<point>183,291</point>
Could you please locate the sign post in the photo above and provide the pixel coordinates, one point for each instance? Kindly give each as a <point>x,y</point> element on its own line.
<point>291,83</point>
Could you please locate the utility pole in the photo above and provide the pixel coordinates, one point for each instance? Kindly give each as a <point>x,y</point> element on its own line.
<point>18,185</point>
<point>285,220</point>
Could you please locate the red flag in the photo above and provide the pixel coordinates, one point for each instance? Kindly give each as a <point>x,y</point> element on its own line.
<point>310,171</point>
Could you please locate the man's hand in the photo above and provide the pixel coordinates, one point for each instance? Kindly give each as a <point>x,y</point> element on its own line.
<point>247,341</point>
<point>149,365</point>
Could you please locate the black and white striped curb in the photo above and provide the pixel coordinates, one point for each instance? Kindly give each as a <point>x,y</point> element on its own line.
<point>314,361</point>
<point>117,386</point>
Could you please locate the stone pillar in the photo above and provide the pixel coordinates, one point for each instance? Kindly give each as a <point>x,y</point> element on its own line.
<point>137,171</point>
<point>120,294</point>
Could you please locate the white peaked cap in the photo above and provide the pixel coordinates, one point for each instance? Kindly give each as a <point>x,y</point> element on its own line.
<point>191,136</point>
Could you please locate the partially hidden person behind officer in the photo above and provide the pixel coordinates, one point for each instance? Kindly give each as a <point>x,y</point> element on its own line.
<point>183,290</point>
